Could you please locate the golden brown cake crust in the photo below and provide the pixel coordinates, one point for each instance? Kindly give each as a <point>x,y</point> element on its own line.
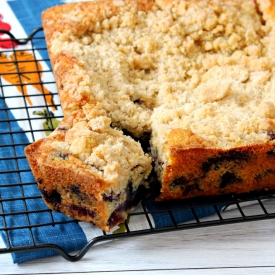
<point>196,169</point>
<point>66,63</point>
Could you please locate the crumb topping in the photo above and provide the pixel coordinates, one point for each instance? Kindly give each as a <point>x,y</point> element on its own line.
<point>206,66</point>
<point>106,151</point>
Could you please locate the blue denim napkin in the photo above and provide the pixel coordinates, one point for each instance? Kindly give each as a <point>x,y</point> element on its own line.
<point>15,185</point>
<point>182,212</point>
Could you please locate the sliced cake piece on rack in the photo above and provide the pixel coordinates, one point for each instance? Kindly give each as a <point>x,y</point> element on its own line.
<point>88,170</point>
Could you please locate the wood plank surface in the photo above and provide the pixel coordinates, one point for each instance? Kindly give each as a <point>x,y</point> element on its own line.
<point>241,248</point>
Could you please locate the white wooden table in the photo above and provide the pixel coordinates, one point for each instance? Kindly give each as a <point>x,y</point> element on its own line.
<point>242,248</point>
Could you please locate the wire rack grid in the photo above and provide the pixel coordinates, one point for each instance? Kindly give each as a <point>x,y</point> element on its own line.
<point>13,180</point>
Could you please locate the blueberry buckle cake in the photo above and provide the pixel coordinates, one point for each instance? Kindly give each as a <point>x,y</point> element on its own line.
<point>195,76</point>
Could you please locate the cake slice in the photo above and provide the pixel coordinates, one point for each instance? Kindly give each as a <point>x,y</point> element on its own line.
<point>88,170</point>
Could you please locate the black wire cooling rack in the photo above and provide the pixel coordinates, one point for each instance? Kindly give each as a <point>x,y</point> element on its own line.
<point>35,43</point>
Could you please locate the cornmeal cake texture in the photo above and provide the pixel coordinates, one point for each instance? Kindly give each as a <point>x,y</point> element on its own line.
<point>195,76</point>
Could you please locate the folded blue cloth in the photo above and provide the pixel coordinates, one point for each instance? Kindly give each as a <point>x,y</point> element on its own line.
<point>15,185</point>
<point>182,213</point>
